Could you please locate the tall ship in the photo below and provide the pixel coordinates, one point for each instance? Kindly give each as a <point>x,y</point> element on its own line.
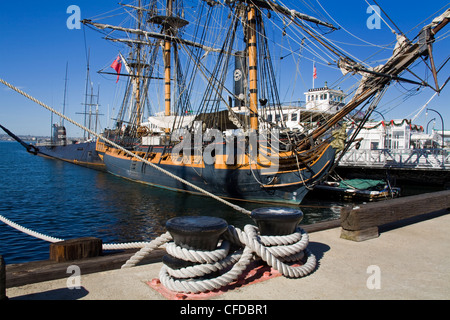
<point>222,127</point>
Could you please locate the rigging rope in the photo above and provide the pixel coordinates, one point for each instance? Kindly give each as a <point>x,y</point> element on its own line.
<point>236,207</point>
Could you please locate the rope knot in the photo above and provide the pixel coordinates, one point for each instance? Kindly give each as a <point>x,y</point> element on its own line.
<point>211,270</point>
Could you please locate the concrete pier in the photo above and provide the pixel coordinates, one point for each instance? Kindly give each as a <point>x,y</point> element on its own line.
<point>407,261</point>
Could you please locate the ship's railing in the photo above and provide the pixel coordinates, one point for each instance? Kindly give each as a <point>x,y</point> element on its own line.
<point>400,158</point>
<point>50,143</point>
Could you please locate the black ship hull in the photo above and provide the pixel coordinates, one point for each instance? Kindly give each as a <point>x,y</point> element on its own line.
<point>83,154</point>
<point>230,182</point>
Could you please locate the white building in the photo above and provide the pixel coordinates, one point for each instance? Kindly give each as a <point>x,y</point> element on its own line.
<point>321,103</point>
<point>395,134</point>
<point>324,100</point>
<point>396,143</point>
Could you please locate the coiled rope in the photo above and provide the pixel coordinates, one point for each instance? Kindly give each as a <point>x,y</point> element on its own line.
<point>276,251</point>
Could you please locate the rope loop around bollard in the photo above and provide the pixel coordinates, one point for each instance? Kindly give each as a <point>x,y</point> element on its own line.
<point>203,285</point>
<point>198,256</point>
<point>275,254</point>
<point>274,250</point>
<point>206,268</point>
<point>267,254</point>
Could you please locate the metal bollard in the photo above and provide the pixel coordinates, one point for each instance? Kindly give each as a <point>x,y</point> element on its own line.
<point>194,233</point>
<point>277,221</point>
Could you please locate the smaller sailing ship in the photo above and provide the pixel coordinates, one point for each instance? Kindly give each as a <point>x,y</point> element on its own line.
<point>81,152</point>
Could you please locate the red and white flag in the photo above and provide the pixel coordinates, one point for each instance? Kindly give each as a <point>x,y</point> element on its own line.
<point>315,72</point>
<point>117,65</point>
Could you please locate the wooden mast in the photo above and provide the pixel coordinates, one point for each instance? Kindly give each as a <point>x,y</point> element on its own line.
<point>138,70</point>
<point>253,65</point>
<point>167,72</point>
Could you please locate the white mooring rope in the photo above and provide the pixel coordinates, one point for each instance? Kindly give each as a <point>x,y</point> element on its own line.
<point>107,246</point>
<point>236,207</point>
<point>28,231</point>
<point>274,250</point>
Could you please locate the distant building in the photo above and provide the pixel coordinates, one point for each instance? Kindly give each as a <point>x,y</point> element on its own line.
<point>324,100</point>
<point>396,144</point>
<point>395,134</point>
<point>320,104</point>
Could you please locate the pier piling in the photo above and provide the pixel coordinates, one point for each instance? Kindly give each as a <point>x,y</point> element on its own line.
<point>75,249</point>
<point>2,279</point>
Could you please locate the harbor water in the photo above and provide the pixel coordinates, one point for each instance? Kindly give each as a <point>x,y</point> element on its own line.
<point>66,201</point>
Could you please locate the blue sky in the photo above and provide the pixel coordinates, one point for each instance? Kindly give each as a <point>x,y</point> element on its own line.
<point>36,45</point>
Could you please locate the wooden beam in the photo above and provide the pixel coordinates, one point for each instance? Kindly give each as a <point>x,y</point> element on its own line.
<point>39,271</point>
<point>320,226</point>
<point>2,279</point>
<point>362,222</point>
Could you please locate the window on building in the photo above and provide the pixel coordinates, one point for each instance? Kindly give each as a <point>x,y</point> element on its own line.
<point>374,145</point>
<point>294,117</point>
<point>398,140</point>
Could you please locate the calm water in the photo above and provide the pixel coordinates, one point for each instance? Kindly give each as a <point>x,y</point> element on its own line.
<point>66,201</point>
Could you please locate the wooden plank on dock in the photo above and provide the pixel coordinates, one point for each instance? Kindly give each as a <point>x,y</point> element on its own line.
<point>361,223</point>
<point>39,271</point>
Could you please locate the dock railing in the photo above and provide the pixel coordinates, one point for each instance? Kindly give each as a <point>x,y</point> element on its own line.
<point>398,158</point>
<point>362,222</point>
